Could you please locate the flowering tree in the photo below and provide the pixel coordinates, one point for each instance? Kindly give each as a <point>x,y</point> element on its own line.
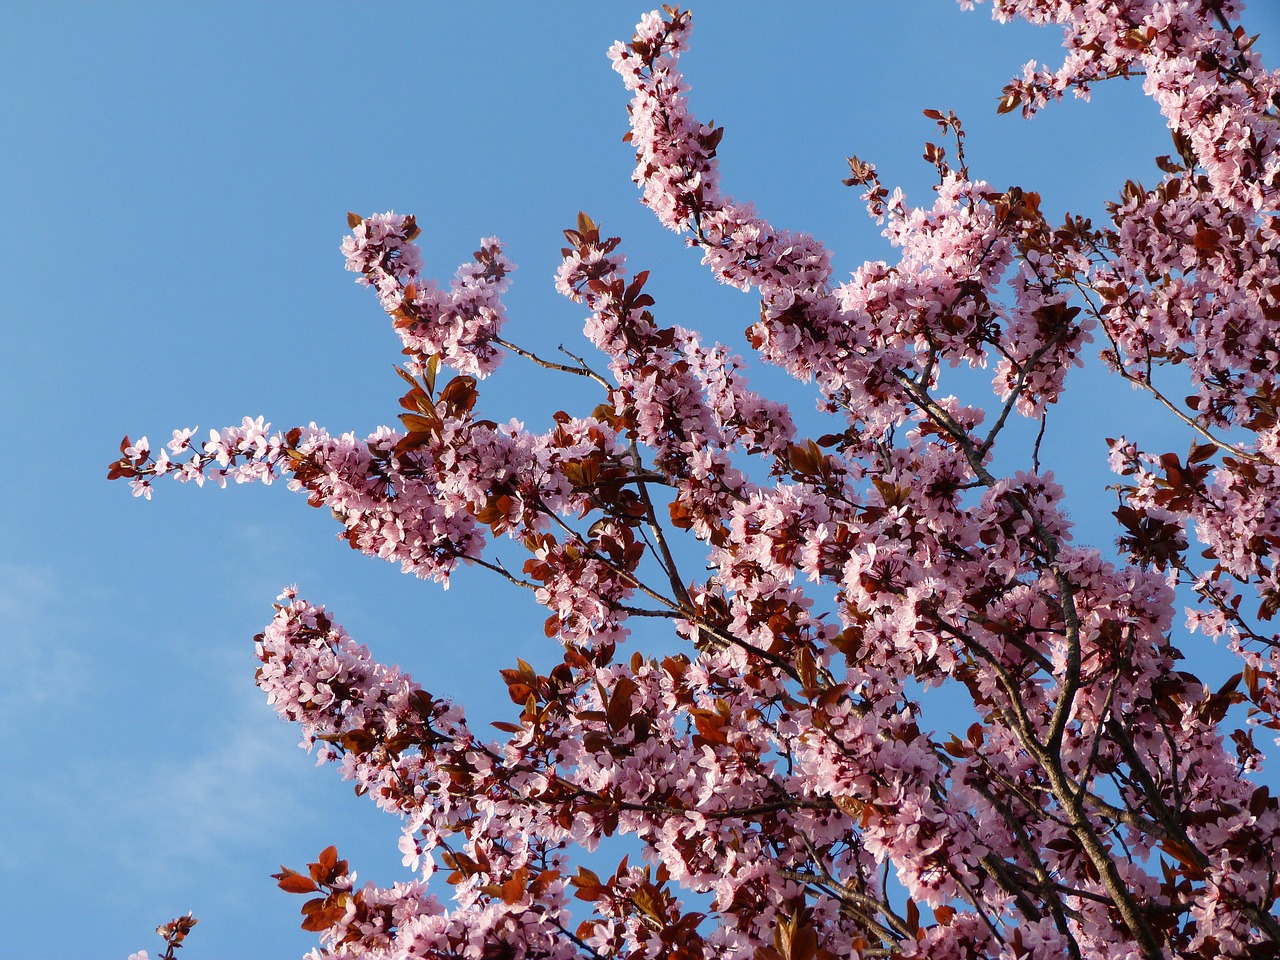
<point>771,766</point>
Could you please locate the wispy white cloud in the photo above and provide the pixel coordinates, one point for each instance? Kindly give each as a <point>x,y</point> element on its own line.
<point>232,791</point>
<point>37,630</point>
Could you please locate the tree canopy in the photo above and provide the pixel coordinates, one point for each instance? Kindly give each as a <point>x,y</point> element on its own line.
<point>1099,800</point>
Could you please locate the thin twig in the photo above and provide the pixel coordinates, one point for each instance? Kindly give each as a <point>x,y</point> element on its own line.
<point>582,370</point>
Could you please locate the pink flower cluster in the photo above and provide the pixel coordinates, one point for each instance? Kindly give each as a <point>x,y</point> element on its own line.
<point>1089,798</point>
<point>459,324</point>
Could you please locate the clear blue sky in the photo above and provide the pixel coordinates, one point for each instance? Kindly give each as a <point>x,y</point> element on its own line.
<point>174,179</point>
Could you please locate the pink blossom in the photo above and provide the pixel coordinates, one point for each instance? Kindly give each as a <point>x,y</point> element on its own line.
<point>1090,797</point>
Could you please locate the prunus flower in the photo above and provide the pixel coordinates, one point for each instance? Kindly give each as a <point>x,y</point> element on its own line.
<point>772,764</point>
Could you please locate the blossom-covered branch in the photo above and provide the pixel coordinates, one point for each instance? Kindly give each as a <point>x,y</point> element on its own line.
<point>778,766</point>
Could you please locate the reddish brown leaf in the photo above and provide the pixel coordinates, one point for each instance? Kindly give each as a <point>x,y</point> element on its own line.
<point>297,884</point>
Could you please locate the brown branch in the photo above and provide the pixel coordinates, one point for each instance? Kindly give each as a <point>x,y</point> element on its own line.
<point>582,370</point>
<point>668,561</point>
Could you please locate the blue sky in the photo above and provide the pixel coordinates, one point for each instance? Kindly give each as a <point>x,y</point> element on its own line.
<point>175,179</point>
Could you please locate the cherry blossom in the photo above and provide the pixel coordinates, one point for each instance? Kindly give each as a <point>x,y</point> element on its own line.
<point>791,797</point>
